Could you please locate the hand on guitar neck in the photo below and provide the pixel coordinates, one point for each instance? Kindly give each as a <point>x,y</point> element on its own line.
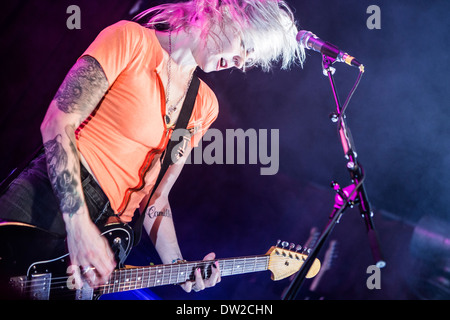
<point>200,283</point>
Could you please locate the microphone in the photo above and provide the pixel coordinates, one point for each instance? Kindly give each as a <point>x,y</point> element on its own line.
<point>310,41</point>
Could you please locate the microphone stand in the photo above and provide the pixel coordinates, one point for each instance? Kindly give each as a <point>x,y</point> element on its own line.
<point>354,194</point>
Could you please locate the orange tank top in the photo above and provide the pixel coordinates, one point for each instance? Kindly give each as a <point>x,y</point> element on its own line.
<point>122,140</point>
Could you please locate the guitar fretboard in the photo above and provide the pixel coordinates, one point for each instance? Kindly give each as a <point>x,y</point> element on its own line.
<point>159,275</point>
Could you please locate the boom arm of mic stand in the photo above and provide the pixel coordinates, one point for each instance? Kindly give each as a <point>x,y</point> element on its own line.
<point>356,174</point>
<point>355,169</point>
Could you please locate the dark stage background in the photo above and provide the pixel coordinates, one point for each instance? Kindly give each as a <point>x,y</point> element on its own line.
<point>398,116</point>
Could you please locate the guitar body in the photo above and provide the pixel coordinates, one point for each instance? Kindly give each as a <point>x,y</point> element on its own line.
<point>31,261</point>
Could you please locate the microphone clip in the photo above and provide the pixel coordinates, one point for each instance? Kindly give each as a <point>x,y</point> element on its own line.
<point>327,63</point>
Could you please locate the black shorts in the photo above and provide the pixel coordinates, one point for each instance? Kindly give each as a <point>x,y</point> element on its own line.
<point>29,198</point>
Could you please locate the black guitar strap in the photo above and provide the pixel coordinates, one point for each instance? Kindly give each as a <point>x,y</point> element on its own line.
<point>182,123</point>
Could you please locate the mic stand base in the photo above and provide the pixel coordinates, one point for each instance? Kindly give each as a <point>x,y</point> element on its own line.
<point>297,282</point>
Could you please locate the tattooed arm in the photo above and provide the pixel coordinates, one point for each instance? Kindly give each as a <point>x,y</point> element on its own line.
<point>78,95</point>
<point>158,222</point>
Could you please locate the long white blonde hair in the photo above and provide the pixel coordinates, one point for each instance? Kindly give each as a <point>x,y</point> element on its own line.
<point>267,27</point>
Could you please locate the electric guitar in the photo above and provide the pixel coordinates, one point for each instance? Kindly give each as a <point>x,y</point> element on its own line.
<point>34,265</point>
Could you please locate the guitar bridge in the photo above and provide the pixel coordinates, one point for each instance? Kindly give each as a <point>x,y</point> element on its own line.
<point>18,285</point>
<point>38,288</point>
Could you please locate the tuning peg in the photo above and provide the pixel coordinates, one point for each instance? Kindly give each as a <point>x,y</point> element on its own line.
<point>298,248</point>
<point>291,246</point>
<point>278,242</point>
<point>284,244</point>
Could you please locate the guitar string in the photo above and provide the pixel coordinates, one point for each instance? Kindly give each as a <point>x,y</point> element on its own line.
<point>151,280</point>
<point>150,274</point>
<point>125,286</point>
<point>163,268</point>
<point>111,288</point>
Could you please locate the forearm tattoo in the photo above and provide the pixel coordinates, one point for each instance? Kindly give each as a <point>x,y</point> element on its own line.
<point>84,86</point>
<point>61,177</point>
<point>153,213</point>
<point>80,92</point>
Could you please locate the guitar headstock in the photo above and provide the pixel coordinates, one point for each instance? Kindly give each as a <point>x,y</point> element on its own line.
<point>284,262</point>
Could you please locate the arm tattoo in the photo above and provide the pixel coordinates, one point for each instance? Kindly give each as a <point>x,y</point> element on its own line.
<point>84,86</point>
<point>62,179</point>
<point>153,213</point>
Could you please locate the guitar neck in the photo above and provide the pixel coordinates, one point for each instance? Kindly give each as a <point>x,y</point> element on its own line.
<point>152,276</point>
